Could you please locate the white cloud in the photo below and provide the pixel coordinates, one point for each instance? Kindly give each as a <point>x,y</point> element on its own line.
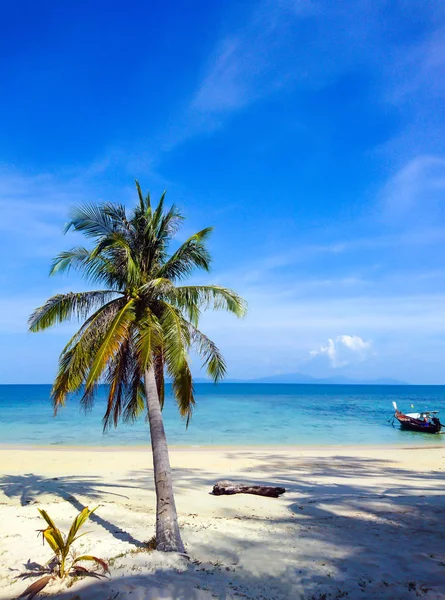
<point>343,350</point>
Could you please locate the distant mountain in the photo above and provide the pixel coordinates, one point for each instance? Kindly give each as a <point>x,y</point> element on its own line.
<point>302,378</point>
<point>347,381</point>
<point>339,379</point>
<point>285,378</point>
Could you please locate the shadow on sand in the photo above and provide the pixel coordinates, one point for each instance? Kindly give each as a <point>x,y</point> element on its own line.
<point>28,488</point>
<point>347,527</point>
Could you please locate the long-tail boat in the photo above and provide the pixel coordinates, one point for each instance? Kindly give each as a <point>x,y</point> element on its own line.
<point>424,422</point>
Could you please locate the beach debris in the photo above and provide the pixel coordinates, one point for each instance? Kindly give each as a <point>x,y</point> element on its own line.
<point>36,587</point>
<point>228,488</point>
<point>61,544</point>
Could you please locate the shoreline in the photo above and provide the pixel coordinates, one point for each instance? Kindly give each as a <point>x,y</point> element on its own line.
<point>218,448</point>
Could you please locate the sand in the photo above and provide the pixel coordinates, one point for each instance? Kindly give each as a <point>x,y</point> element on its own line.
<point>354,523</point>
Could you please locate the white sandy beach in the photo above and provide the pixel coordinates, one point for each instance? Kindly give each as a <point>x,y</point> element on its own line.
<point>354,523</point>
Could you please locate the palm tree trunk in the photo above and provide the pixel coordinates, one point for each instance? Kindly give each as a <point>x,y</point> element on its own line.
<point>168,537</point>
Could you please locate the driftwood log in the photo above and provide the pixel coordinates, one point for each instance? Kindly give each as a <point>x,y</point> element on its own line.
<point>228,488</point>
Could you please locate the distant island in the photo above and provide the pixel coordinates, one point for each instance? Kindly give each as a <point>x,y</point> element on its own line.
<point>303,378</point>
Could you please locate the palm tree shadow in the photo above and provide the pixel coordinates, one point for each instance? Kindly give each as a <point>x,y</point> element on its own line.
<point>28,488</point>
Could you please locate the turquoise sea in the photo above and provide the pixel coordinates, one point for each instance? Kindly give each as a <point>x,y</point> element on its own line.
<point>231,414</point>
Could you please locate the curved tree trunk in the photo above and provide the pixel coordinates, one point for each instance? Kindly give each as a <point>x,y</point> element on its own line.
<point>168,537</point>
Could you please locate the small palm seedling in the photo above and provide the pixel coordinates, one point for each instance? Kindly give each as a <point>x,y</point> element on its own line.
<point>61,544</point>
<point>64,562</point>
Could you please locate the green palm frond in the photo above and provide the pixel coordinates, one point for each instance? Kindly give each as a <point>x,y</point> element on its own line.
<point>93,267</point>
<point>156,236</point>
<point>204,297</point>
<point>77,357</point>
<point>148,339</point>
<point>88,396</point>
<point>207,349</point>
<point>74,364</point>
<point>118,249</point>
<point>64,307</point>
<point>78,522</point>
<point>169,222</point>
<point>74,258</point>
<point>91,220</point>
<point>182,384</point>
<point>126,397</point>
<point>112,340</point>
<point>177,341</point>
<point>118,378</point>
<point>118,215</point>
<point>143,203</point>
<point>176,333</point>
<point>157,287</point>
<point>135,396</point>
<point>191,255</point>
<point>158,214</point>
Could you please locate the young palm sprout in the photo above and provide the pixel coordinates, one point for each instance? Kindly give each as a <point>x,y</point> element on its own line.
<point>64,562</point>
<point>142,325</point>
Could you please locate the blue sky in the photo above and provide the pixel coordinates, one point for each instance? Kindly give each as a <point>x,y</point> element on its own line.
<point>309,134</point>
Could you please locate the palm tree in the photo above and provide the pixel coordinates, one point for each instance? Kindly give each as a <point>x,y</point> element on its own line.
<point>141,326</point>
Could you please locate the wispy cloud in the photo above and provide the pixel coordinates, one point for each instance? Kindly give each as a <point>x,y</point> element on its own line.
<point>253,62</point>
<point>420,65</point>
<point>34,208</point>
<point>287,46</point>
<point>416,193</point>
<point>358,262</point>
<point>283,44</point>
<point>274,321</point>
<point>288,43</point>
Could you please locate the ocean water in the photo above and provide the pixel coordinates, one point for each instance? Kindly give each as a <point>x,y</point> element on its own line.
<point>231,414</point>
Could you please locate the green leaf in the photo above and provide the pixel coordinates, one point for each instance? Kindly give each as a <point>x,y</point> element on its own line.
<point>54,539</point>
<point>77,524</point>
<point>47,518</point>
<point>52,534</point>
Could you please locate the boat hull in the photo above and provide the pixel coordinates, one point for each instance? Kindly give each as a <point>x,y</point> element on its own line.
<point>410,424</point>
